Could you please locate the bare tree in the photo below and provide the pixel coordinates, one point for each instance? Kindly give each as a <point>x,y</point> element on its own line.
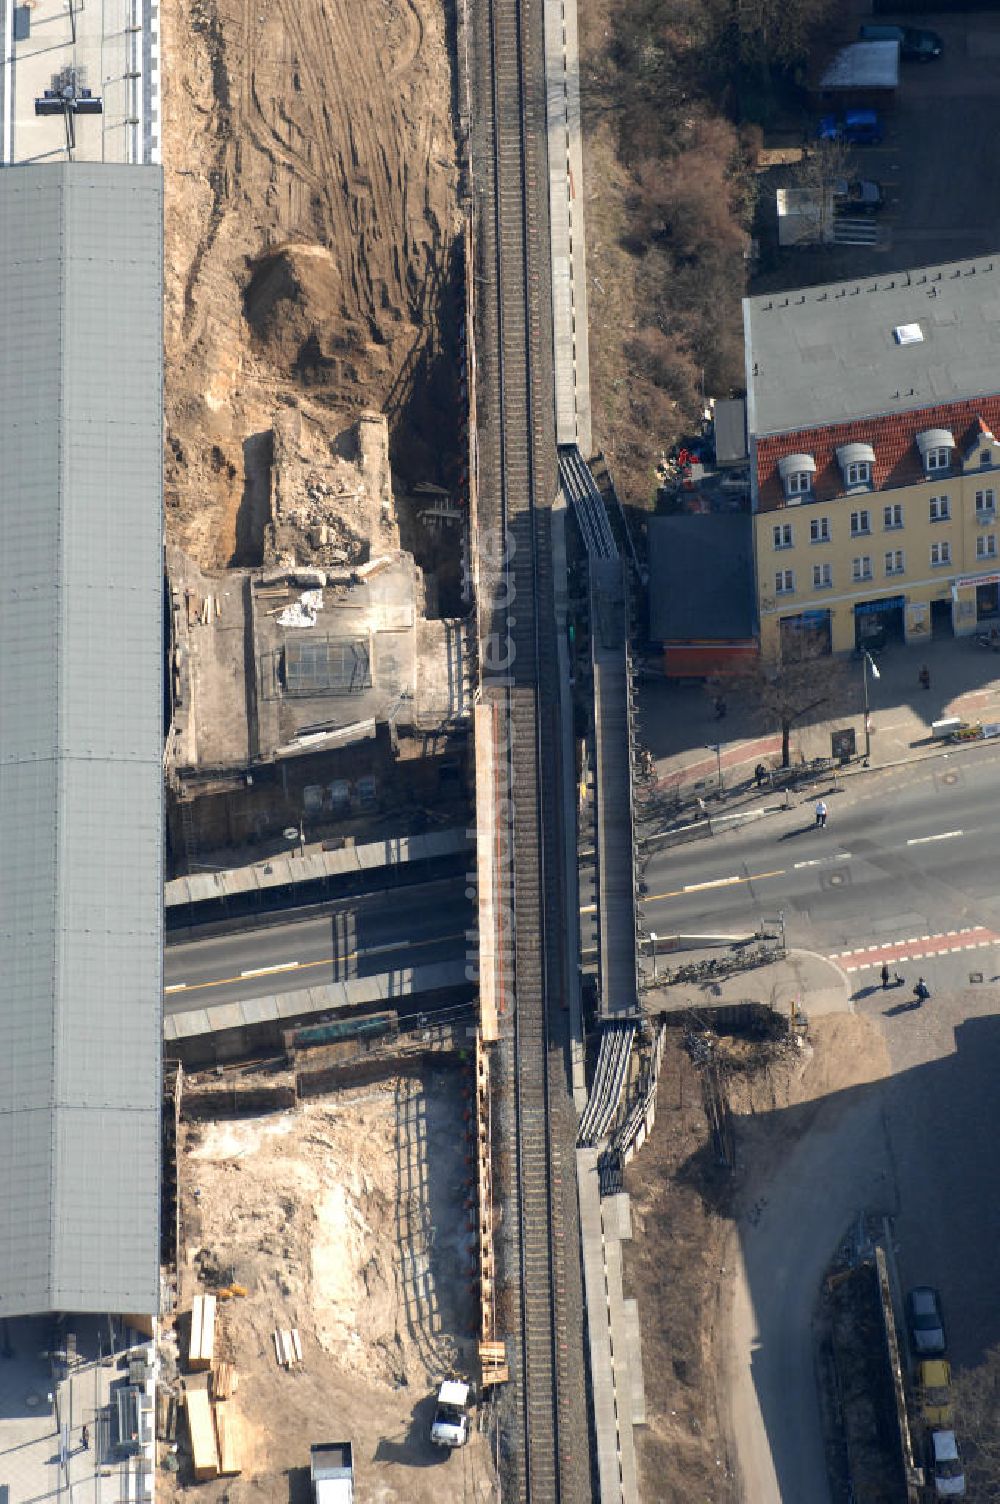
<point>782,695</point>
<point>977,1402</point>
<point>824,165</point>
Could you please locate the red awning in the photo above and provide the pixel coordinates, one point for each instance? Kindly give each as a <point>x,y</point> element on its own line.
<point>708,660</point>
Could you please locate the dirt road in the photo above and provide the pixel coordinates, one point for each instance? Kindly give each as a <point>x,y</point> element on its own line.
<point>799,1206</point>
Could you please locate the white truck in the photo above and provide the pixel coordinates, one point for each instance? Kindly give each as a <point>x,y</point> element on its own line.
<point>450,1426</point>
<point>331,1469</point>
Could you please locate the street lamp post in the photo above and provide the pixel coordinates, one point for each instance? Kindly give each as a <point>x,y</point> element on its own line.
<point>652,943</point>
<point>718,763</point>
<point>866,663</point>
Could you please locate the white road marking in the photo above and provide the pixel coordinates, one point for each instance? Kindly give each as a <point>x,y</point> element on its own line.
<point>176,987</point>
<point>946,835</point>
<point>824,861</point>
<point>718,882</point>
<point>263,971</point>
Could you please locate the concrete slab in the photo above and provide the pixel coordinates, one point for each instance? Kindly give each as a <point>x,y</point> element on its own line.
<point>630,1311</point>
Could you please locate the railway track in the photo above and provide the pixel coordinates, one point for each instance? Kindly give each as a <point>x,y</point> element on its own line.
<point>518,473</point>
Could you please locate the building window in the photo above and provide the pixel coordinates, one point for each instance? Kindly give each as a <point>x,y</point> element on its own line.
<point>937,459</point>
<point>861,568</point>
<point>861,522</point>
<point>819,530</point>
<point>986,501</point>
<point>892,516</point>
<point>822,576</point>
<point>985,458</point>
<point>783,535</point>
<point>940,509</point>
<point>784,582</point>
<point>798,483</point>
<point>986,546</point>
<point>894,561</point>
<point>941,552</point>
<point>859,474</point>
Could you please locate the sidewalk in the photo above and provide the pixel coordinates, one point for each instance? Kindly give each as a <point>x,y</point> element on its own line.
<point>805,978</point>
<point>679,726</point>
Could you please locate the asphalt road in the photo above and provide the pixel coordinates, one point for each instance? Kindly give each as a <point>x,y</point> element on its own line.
<point>904,871</point>
<point>905,854</point>
<point>358,937</point>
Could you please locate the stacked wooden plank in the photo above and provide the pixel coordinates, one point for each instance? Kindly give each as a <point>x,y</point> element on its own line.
<point>201,1350</point>
<point>227,1429</point>
<point>224,1380</point>
<point>204,1448</point>
<point>288,1348</point>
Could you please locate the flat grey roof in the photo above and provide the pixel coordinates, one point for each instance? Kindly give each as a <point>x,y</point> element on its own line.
<point>81,708</point>
<point>829,354</point>
<point>701,577</point>
<point>863,65</point>
<point>730,431</point>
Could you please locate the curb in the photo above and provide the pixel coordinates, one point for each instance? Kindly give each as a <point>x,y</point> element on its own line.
<point>944,749</point>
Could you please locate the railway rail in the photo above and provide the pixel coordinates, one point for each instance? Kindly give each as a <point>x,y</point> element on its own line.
<point>517,482</point>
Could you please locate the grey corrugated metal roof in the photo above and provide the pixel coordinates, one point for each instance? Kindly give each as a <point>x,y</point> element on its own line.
<point>827,354</point>
<point>80,736</point>
<point>701,577</point>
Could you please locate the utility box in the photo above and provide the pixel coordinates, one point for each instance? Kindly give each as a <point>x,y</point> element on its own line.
<point>842,744</point>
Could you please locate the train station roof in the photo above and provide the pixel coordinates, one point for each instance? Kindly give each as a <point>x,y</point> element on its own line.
<point>80,737</point>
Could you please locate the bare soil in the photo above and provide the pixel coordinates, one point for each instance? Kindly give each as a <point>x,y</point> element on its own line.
<point>311,222</point>
<point>345,1219</point>
<point>685,1207</point>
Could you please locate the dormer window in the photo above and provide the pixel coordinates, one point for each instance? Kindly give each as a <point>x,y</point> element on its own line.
<point>857,465</point>
<point>796,472</point>
<point>935,445</point>
<point>985,458</point>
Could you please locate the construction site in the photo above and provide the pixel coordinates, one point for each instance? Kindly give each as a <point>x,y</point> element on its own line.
<point>316,481</point>
<point>326,1269</point>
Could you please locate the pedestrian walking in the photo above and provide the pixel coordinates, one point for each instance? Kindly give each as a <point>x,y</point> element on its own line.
<point>885,976</point>
<point>85,1438</point>
<point>760,773</point>
<point>921,991</point>
<point>924,677</point>
<point>821,813</point>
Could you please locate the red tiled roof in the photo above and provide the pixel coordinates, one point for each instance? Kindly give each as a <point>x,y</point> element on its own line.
<point>893,438</point>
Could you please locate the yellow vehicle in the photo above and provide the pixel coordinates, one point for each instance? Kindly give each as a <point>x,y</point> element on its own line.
<point>934,1391</point>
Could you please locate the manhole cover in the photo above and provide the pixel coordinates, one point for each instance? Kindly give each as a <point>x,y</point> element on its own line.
<point>837,879</point>
<point>949,778</point>
<point>975,976</point>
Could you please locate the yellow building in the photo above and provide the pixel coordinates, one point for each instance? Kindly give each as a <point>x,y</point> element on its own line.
<point>871,412</point>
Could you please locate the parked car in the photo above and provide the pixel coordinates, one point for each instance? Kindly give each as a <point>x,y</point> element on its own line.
<point>934,1390</point>
<point>946,1466</point>
<point>854,128</point>
<point>926,1323</point>
<point>860,196</point>
<point>916,43</point>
